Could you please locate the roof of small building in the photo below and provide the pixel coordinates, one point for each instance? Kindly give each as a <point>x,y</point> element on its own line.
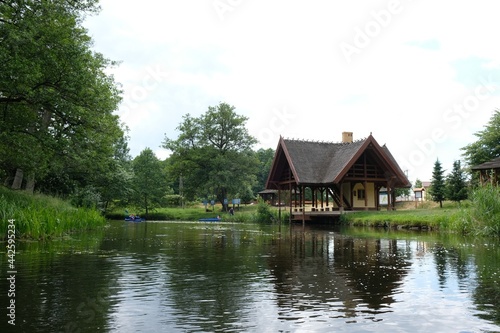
<point>493,164</point>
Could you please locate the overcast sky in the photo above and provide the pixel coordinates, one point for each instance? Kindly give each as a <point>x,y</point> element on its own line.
<point>421,76</point>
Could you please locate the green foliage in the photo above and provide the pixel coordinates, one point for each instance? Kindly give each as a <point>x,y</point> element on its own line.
<point>456,187</point>
<point>483,216</point>
<point>149,181</point>
<point>56,100</point>
<point>41,216</point>
<point>487,145</point>
<point>213,154</point>
<point>173,200</point>
<point>418,183</point>
<point>265,158</point>
<point>438,188</point>
<point>264,212</point>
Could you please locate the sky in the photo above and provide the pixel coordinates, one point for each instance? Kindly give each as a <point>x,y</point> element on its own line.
<point>420,76</point>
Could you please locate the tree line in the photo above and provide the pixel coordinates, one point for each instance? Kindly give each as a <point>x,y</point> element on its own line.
<point>455,186</point>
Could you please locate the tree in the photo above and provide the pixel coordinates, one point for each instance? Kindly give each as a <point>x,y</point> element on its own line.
<point>149,181</point>
<point>487,145</point>
<point>438,188</point>
<point>213,154</point>
<point>265,158</point>
<point>56,101</point>
<point>456,187</point>
<point>418,184</point>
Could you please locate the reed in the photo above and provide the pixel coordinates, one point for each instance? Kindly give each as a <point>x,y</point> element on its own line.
<point>483,215</point>
<point>40,216</point>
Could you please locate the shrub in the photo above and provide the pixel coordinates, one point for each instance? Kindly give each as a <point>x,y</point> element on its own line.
<point>264,213</point>
<point>483,216</point>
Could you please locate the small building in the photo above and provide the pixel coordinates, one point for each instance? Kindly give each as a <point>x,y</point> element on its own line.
<point>419,193</point>
<point>269,196</point>
<point>340,176</point>
<point>488,171</point>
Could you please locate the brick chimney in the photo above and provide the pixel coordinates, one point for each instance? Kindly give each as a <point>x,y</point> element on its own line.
<point>346,137</point>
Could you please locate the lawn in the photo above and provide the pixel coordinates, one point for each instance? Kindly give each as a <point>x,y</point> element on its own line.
<point>427,214</point>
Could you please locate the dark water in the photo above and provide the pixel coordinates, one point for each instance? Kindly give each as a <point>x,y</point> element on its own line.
<point>217,277</point>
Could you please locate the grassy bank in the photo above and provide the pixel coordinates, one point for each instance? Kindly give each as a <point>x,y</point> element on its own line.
<point>40,216</point>
<point>479,216</point>
<point>260,212</point>
<point>432,218</point>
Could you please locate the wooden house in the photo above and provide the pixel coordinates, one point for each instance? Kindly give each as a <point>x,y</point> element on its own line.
<point>340,176</point>
<point>488,171</point>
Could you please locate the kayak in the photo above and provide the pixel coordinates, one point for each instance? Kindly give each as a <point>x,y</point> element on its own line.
<point>210,219</point>
<point>135,219</point>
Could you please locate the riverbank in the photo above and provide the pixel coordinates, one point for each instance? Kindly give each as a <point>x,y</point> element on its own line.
<point>478,216</point>
<point>40,216</point>
<point>406,216</point>
<point>245,213</point>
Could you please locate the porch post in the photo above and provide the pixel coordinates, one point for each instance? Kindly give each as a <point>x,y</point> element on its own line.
<point>366,194</point>
<point>303,205</point>
<point>389,195</point>
<point>279,204</point>
<point>341,208</point>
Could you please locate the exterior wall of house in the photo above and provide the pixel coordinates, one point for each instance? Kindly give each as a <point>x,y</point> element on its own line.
<point>359,202</point>
<point>346,189</point>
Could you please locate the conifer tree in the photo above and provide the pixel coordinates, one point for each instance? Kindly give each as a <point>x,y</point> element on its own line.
<point>438,188</point>
<point>456,188</point>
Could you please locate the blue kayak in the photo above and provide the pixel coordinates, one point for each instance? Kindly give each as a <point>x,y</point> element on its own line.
<point>135,219</point>
<point>210,219</point>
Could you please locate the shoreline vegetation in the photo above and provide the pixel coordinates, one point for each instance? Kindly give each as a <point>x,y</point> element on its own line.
<point>44,217</point>
<point>39,217</point>
<point>478,216</point>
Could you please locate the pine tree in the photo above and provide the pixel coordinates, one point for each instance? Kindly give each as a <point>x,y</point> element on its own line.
<point>438,188</point>
<point>456,188</point>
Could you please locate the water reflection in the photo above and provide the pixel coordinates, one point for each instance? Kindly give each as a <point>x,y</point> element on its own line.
<point>195,277</point>
<point>328,274</point>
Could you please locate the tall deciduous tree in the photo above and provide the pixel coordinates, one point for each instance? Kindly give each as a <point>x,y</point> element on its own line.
<point>487,145</point>
<point>438,188</point>
<point>149,181</point>
<point>456,187</point>
<point>213,154</point>
<point>56,102</point>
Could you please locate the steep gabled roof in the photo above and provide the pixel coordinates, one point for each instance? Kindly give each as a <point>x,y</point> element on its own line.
<point>325,162</point>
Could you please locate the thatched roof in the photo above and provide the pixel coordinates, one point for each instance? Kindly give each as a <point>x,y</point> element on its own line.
<point>493,164</point>
<point>313,162</point>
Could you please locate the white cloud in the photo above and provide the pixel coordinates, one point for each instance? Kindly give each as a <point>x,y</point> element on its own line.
<point>285,56</point>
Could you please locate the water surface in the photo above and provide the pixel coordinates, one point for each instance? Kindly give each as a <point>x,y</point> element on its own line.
<point>224,277</point>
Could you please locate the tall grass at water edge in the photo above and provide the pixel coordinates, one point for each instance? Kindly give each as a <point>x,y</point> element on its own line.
<point>40,216</point>
<point>482,217</point>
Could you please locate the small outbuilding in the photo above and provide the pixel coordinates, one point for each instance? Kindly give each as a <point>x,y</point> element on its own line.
<point>488,171</point>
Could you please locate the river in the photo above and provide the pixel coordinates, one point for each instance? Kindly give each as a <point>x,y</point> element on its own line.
<point>225,277</point>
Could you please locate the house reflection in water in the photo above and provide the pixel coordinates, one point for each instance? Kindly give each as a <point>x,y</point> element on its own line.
<point>337,273</point>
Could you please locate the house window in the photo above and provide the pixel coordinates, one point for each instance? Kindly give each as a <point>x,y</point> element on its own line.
<point>361,194</point>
